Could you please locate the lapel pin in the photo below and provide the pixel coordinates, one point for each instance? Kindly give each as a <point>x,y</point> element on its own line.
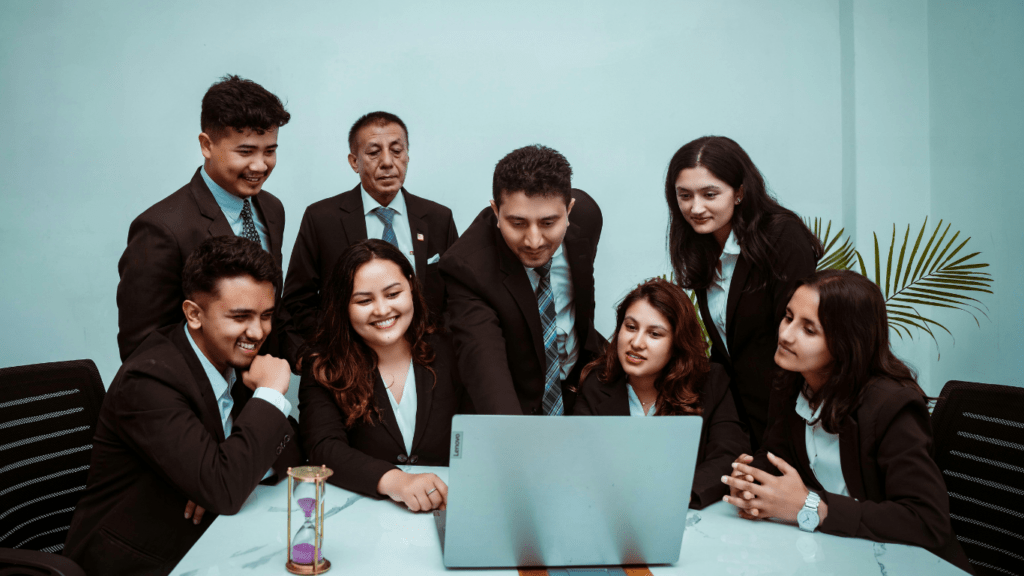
<point>419,237</point>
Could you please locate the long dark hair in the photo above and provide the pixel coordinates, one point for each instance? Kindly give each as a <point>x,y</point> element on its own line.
<point>852,314</point>
<point>337,357</point>
<point>680,383</point>
<point>694,256</point>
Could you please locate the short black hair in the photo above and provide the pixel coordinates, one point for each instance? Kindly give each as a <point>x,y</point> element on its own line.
<point>240,104</point>
<point>536,170</point>
<point>227,257</point>
<point>380,119</point>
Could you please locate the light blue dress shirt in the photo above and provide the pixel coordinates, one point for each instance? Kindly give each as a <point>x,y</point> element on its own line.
<point>560,277</point>
<point>405,412</point>
<point>231,206</point>
<point>822,450</point>
<point>221,384</point>
<point>400,223</point>
<point>636,408</point>
<point>718,291</point>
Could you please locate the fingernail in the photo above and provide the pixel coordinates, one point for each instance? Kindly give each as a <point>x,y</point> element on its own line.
<point>735,464</point>
<point>725,498</point>
<point>196,521</point>
<point>187,515</point>
<point>772,455</point>
<point>725,479</point>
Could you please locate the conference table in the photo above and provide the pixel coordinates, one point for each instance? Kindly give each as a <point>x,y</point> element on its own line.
<point>369,536</point>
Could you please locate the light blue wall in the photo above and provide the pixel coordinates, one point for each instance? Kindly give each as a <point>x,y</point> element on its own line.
<point>101,100</point>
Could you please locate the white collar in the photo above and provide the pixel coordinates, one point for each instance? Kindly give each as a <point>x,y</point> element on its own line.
<point>370,203</point>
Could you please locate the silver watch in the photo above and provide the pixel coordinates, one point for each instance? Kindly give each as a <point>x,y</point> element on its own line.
<point>807,518</point>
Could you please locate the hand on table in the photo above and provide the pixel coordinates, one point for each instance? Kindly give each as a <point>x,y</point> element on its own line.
<point>194,511</point>
<point>773,496</point>
<point>419,492</point>
<point>744,494</point>
<point>267,372</point>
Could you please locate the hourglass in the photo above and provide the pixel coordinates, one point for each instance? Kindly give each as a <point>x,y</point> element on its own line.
<point>306,484</point>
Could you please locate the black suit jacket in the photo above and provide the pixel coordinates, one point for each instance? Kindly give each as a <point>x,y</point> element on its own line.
<point>886,452</point>
<point>362,454</point>
<point>160,443</point>
<point>494,316</point>
<point>755,307</point>
<point>722,438</point>
<point>328,228</point>
<point>149,295</point>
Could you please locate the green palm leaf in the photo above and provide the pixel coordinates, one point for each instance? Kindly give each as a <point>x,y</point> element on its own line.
<point>838,255</point>
<point>930,276</point>
<point>670,277</point>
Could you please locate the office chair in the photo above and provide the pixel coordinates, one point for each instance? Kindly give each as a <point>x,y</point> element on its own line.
<point>48,415</point>
<point>979,446</point>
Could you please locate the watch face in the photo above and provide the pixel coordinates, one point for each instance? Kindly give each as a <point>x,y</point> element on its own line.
<point>807,519</point>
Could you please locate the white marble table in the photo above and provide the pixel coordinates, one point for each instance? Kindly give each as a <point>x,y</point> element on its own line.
<point>367,536</point>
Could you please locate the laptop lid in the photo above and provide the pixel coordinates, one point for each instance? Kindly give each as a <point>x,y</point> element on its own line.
<point>568,491</point>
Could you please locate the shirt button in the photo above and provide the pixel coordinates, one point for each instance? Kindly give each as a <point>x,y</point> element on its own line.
<point>402,458</point>
<point>413,459</point>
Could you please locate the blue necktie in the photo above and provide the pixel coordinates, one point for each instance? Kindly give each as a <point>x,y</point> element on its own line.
<point>248,226</point>
<point>551,402</point>
<point>387,215</point>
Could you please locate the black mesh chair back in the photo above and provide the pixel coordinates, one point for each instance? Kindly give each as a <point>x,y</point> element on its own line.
<point>48,415</point>
<point>979,446</point>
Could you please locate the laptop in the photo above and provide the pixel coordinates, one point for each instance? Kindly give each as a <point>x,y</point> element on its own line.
<point>567,491</point>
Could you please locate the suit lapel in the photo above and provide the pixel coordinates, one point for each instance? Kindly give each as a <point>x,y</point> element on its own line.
<point>418,229</point>
<point>849,458</point>
<point>387,415</point>
<point>424,400</point>
<point>712,330</point>
<point>353,219</point>
<point>799,442</point>
<point>210,414</point>
<point>616,400</point>
<point>579,254</point>
<point>271,219</point>
<point>218,224</point>
<point>521,290</point>
<point>736,286</point>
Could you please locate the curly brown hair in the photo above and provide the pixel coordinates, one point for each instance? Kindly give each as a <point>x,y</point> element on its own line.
<point>681,382</point>
<point>337,357</point>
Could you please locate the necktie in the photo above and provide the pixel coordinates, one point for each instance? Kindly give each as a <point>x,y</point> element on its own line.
<point>248,226</point>
<point>551,402</point>
<point>386,215</point>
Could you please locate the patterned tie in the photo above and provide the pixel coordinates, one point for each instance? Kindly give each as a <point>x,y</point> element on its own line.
<point>248,226</point>
<point>551,403</point>
<point>386,215</point>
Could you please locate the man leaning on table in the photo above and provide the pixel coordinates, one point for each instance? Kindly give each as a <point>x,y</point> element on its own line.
<point>177,435</point>
<point>520,284</point>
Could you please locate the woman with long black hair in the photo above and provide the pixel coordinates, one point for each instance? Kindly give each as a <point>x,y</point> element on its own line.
<point>850,450</point>
<point>741,252</point>
<point>377,389</point>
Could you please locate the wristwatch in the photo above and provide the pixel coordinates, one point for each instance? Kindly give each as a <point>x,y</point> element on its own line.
<point>807,518</point>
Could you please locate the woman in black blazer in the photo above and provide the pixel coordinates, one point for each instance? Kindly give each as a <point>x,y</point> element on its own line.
<point>850,450</point>
<point>656,365</point>
<point>378,389</point>
<point>742,253</point>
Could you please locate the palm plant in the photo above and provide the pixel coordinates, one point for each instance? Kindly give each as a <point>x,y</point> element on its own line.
<point>930,276</point>
<point>839,257</point>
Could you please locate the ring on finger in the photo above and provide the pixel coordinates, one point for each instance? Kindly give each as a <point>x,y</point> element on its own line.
<point>431,491</point>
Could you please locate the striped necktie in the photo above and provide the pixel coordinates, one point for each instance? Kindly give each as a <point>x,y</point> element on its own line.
<point>248,226</point>
<point>551,403</point>
<point>387,215</point>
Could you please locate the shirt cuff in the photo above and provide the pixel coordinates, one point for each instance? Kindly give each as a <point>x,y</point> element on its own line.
<point>275,398</point>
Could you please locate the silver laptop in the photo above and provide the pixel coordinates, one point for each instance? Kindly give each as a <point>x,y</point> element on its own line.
<point>567,491</point>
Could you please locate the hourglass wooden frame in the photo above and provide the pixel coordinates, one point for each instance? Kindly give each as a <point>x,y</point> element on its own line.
<point>318,476</point>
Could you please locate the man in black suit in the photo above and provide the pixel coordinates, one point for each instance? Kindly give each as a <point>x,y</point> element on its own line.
<point>240,121</point>
<point>520,285</point>
<point>176,433</point>
<point>379,152</point>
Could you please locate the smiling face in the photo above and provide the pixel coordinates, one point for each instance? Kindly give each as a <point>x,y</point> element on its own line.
<point>380,157</point>
<point>644,343</point>
<point>381,307</point>
<point>533,226</point>
<point>230,325</point>
<point>240,162</point>
<point>802,347</point>
<point>706,202</point>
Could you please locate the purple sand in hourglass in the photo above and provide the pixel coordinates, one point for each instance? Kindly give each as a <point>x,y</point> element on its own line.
<point>303,554</point>
<point>307,505</point>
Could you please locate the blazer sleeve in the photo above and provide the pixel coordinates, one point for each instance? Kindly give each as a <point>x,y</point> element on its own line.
<point>325,440</point>
<point>479,344</point>
<point>160,425</point>
<point>149,292</point>
<point>301,296</point>
<point>587,389</point>
<point>726,440</point>
<point>916,506</point>
<point>794,260</point>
